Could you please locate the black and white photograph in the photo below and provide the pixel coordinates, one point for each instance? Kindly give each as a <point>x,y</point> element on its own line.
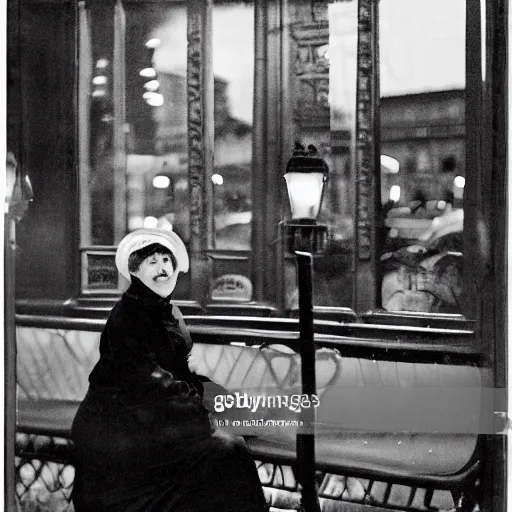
<point>256,255</point>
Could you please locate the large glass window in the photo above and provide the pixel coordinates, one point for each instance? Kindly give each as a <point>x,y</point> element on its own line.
<point>156,116</point>
<point>135,141</point>
<point>134,127</point>
<point>323,86</point>
<point>233,70</point>
<point>422,119</point>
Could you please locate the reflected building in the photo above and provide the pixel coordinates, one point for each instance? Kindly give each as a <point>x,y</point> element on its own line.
<point>168,157</point>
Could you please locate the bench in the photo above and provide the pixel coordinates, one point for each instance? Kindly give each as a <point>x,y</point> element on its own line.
<point>357,468</point>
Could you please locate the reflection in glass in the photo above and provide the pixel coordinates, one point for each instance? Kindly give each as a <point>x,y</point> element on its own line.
<point>156,116</point>
<point>422,50</point>
<point>233,69</point>
<point>323,86</point>
<point>97,151</point>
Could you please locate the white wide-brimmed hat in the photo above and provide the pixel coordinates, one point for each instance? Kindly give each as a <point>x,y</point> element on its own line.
<point>146,236</point>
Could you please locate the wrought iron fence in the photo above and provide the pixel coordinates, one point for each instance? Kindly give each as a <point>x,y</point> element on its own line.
<point>45,473</point>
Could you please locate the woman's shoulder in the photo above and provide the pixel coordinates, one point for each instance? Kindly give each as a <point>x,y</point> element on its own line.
<point>126,316</point>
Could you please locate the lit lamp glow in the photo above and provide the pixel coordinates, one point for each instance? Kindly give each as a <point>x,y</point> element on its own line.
<point>306,175</point>
<point>305,193</point>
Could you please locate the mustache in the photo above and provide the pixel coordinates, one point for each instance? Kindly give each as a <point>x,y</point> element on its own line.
<point>162,274</point>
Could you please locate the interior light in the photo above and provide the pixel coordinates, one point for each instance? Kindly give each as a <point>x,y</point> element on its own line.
<point>161,181</point>
<point>99,80</point>
<point>150,222</point>
<point>101,63</point>
<point>98,93</point>
<point>135,222</point>
<point>147,73</point>
<point>148,94</point>
<point>153,43</point>
<point>394,193</point>
<point>459,181</point>
<point>157,100</point>
<point>217,179</point>
<point>152,85</point>
<point>389,164</point>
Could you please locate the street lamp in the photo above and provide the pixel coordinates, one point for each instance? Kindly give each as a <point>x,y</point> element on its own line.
<point>306,175</point>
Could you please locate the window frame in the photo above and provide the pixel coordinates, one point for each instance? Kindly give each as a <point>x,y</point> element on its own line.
<point>271,135</point>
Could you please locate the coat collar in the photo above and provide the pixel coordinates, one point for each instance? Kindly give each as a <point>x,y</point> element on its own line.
<point>141,293</point>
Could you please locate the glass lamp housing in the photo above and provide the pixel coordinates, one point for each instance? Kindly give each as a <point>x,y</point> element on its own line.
<point>306,174</point>
<point>305,190</point>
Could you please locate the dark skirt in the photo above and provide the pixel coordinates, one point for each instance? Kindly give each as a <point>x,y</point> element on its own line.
<point>126,464</point>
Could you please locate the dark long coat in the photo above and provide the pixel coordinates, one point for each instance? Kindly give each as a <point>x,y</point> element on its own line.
<point>143,438</point>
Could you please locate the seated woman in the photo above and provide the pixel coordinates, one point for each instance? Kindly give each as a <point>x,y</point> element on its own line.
<point>143,438</point>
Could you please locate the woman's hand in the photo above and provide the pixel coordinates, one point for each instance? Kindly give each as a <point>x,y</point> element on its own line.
<point>163,377</point>
<point>194,361</point>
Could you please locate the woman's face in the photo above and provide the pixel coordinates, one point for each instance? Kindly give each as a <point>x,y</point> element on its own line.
<point>158,274</point>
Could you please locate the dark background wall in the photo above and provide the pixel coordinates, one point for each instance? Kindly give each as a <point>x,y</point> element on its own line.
<point>44,75</point>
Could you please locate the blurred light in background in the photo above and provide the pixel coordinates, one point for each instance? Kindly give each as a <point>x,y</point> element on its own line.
<point>99,80</point>
<point>152,85</point>
<point>459,181</point>
<point>150,222</point>
<point>101,63</point>
<point>156,100</point>
<point>217,179</point>
<point>161,181</point>
<point>148,72</point>
<point>135,222</point>
<point>394,193</point>
<point>389,164</point>
<point>153,43</point>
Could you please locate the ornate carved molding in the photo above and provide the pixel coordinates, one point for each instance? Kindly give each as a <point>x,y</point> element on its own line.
<point>195,125</point>
<point>311,67</point>
<point>200,122</point>
<point>365,128</point>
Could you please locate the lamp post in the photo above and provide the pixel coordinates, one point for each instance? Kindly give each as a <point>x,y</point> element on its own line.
<point>306,175</point>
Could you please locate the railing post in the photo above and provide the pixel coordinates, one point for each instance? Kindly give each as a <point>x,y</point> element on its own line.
<point>306,441</point>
